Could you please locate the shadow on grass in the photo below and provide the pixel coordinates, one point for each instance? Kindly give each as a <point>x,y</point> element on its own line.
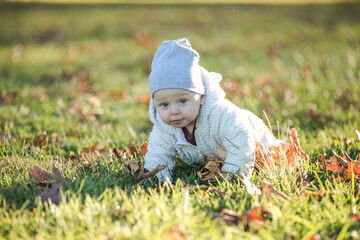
<point>92,182</point>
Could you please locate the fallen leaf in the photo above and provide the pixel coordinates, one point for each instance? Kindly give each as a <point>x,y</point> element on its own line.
<point>283,157</point>
<point>342,166</point>
<point>91,149</point>
<point>207,176</point>
<point>316,194</point>
<point>56,180</point>
<point>253,218</point>
<point>52,193</point>
<point>73,133</point>
<point>355,216</point>
<point>270,191</point>
<point>178,232</point>
<point>318,117</point>
<point>136,169</point>
<point>153,172</point>
<point>134,150</point>
<point>143,39</point>
<point>39,174</point>
<point>144,99</point>
<point>212,169</point>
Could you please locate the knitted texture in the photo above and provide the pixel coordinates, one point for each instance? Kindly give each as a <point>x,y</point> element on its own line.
<point>175,65</point>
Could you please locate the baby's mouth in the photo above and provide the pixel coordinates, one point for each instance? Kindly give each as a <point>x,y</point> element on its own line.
<point>177,121</point>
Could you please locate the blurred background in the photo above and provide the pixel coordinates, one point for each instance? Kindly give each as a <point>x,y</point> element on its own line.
<point>83,68</point>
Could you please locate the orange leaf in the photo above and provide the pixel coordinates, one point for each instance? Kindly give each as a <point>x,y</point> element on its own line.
<point>343,166</point>
<point>352,170</point>
<point>145,99</point>
<point>333,167</point>
<point>90,149</point>
<point>317,194</point>
<point>254,217</point>
<point>285,155</point>
<point>355,216</point>
<point>144,148</point>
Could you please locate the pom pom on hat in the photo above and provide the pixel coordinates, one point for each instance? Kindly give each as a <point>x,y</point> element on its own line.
<point>175,65</point>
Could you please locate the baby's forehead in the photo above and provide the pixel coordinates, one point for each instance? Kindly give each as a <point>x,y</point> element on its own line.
<point>170,93</point>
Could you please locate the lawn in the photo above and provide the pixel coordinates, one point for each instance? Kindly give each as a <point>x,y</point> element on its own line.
<point>74,93</point>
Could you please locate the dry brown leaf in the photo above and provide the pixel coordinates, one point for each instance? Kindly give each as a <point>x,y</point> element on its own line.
<point>316,194</point>
<point>153,172</point>
<point>90,149</point>
<point>254,218</point>
<point>355,216</point>
<point>342,167</point>
<point>136,169</point>
<point>270,191</point>
<point>229,217</point>
<point>284,156</point>
<point>178,232</point>
<point>52,193</point>
<point>211,171</point>
<point>56,180</point>
<point>39,174</point>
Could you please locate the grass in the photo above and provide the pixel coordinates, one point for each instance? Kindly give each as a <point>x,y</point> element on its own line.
<point>79,73</point>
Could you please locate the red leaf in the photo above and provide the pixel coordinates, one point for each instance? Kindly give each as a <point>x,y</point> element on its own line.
<point>355,216</point>
<point>144,148</point>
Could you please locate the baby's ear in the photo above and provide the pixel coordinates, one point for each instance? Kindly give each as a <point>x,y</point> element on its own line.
<point>202,99</point>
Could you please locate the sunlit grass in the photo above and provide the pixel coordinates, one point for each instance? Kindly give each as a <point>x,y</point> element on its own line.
<point>79,73</point>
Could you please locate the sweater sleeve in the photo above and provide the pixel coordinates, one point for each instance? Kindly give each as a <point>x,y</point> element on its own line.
<point>237,137</point>
<point>240,131</point>
<point>160,151</point>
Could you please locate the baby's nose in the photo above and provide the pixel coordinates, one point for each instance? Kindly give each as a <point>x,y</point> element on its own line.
<point>174,110</point>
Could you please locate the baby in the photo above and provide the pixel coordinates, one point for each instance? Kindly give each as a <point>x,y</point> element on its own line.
<point>192,119</point>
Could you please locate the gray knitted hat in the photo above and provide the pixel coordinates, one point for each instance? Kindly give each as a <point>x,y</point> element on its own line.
<point>175,65</point>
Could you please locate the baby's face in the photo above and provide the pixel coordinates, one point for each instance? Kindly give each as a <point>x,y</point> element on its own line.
<point>178,107</point>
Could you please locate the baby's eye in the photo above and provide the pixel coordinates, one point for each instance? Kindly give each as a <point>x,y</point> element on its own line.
<point>183,101</point>
<point>164,105</point>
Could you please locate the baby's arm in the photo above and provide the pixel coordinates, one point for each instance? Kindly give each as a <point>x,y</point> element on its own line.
<point>160,152</point>
<point>237,137</point>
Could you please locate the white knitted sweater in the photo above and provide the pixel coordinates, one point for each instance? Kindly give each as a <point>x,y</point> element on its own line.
<point>223,131</point>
